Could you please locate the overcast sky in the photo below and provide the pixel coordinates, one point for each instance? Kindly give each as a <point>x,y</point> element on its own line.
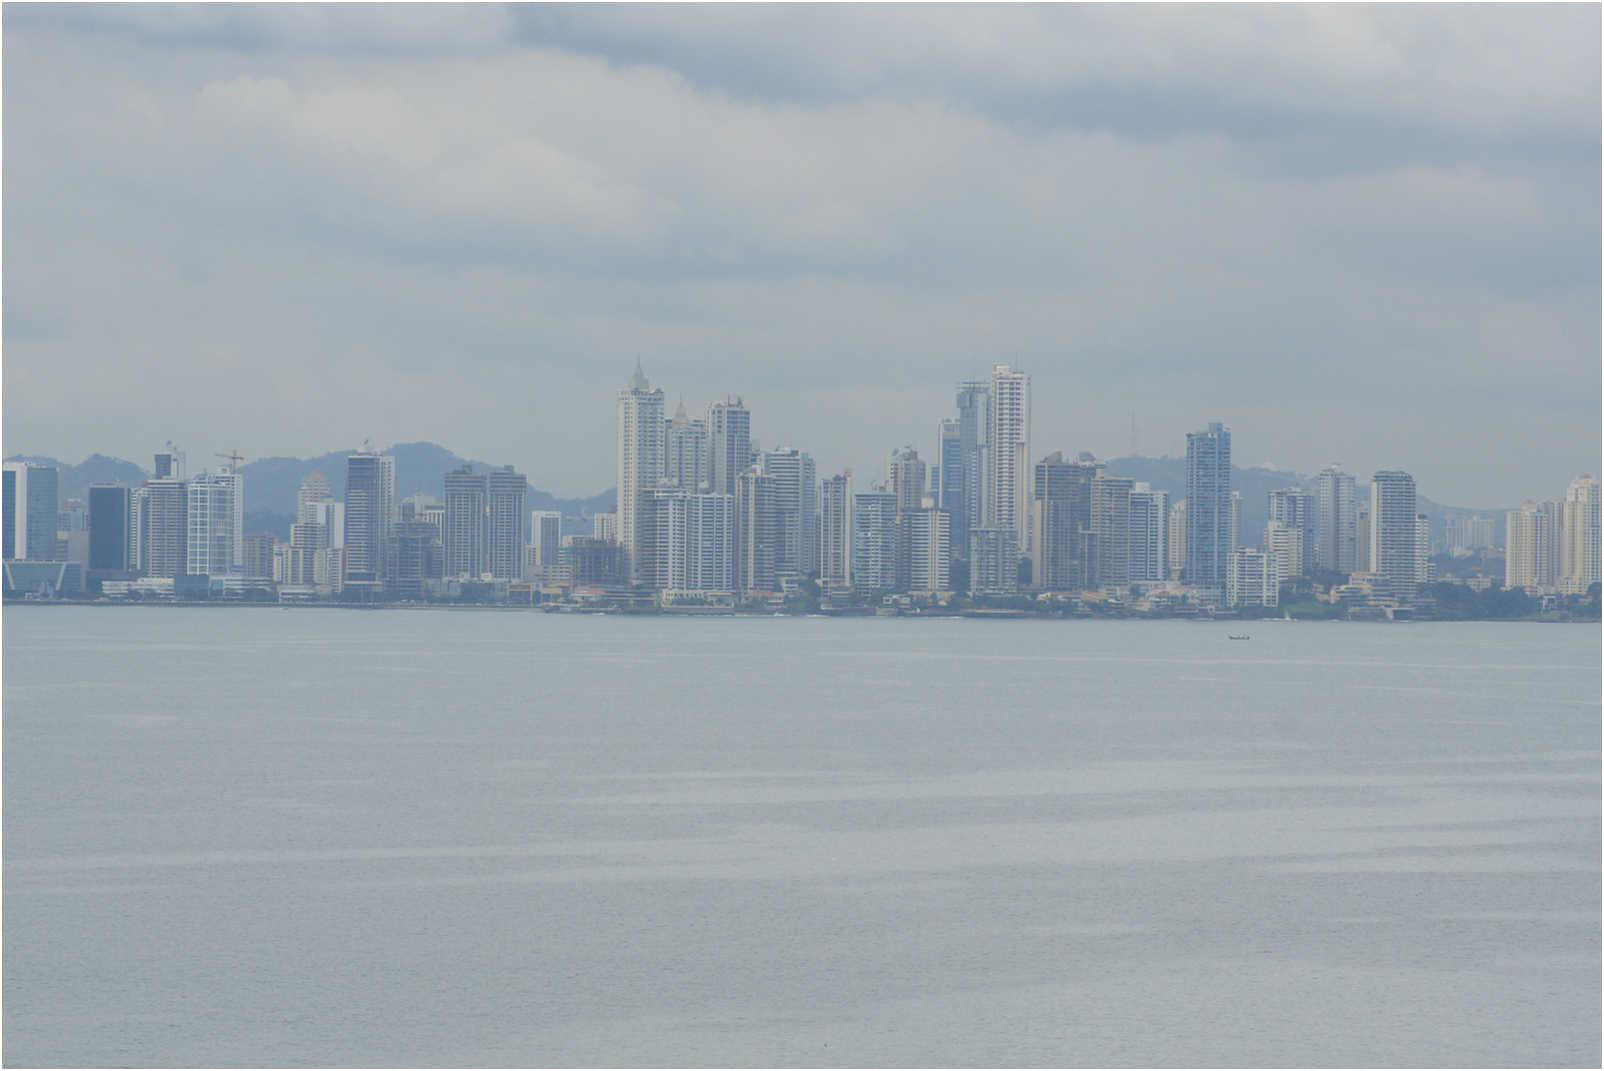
<point>1364,235</point>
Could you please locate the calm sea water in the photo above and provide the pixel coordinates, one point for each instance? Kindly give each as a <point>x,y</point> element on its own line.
<point>335,837</point>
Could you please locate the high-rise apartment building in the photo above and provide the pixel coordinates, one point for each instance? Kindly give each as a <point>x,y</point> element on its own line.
<point>952,466</point>
<point>1361,524</point>
<point>929,536</point>
<point>1176,539</point>
<point>1007,485</point>
<point>835,533</point>
<point>1470,533</point>
<point>1425,568</point>
<point>695,542</point>
<point>1284,542</point>
<point>993,561</point>
<point>796,504</point>
<point>215,514</point>
<point>1236,520</point>
<point>414,556</point>
<point>686,455</point>
<point>729,431</point>
<point>640,468</point>
<point>1528,545</point>
<point>1296,508</point>
<point>974,425</point>
<point>1208,509</point>
<point>1111,530</point>
<point>305,561</point>
<point>1392,531</point>
<point>506,496</point>
<point>908,478</point>
<point>545,538</point>
<point>757,533</point>
<point>1251,579</point>
<point>1336,541</point>
<point>604,526</point>
<point>161,510</point>
<point>1149,544</point>
<point>1579,547</point>
<point>258,561</point>
<point>874,541</point>
<point>1063,540</point>
<point>463,547</point>
<point>369,513</point>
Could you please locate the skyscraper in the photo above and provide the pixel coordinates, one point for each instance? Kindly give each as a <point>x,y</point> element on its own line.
<point>951,483</point>
<point>974,420</point>
<point>369,513</point>
<point>757,537</point>
<point>1361,542</point>
<point>1296,508</point>
<point>929,535</point>
<point>729,431</point>
<point>993,561</point>
<point>1175,539</point>
<point>1336,534</point>
<point>507,492</point>
<point>695,542</point>
<point>1149,544</point>
<point>1007,485</point>
<point>1284,543</point>
<point>1208,509</point>
<point>1579,553</point>
<point>463,546</point>
<point>110,538</point>
<point>1528,542</point>
<point>640,467</point>
<point>796,504</point>
<point>309,537</point>
<point>686,452</point>
<point>908,478</point>
<point>874,541</point>
<point>1062,543</point>
<point>161,508</point>
<point>1251,579</point>
<point>545,536</point>
<point>835,533</point>
<point>1392,531</point>
<point>216,518</point>
<point>31,504</point>
<point>1111,530</point>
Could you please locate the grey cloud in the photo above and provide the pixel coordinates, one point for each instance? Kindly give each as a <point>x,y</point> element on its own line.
<point>469,233</point>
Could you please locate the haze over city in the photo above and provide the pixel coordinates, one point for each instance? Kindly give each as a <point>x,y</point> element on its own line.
<point>1351,234</point>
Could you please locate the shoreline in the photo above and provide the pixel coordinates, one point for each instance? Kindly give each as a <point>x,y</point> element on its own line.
<point>965,615</point>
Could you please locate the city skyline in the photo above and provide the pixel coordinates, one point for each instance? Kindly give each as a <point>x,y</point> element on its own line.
<point>1367,251</point>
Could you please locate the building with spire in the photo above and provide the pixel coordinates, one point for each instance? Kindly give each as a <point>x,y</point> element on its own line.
<point>686,452</point>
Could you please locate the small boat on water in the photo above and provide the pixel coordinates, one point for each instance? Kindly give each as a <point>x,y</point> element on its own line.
<point>1244,636</point>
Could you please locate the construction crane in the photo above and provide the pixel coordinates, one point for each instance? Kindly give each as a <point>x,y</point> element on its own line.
<point>233,457</point>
